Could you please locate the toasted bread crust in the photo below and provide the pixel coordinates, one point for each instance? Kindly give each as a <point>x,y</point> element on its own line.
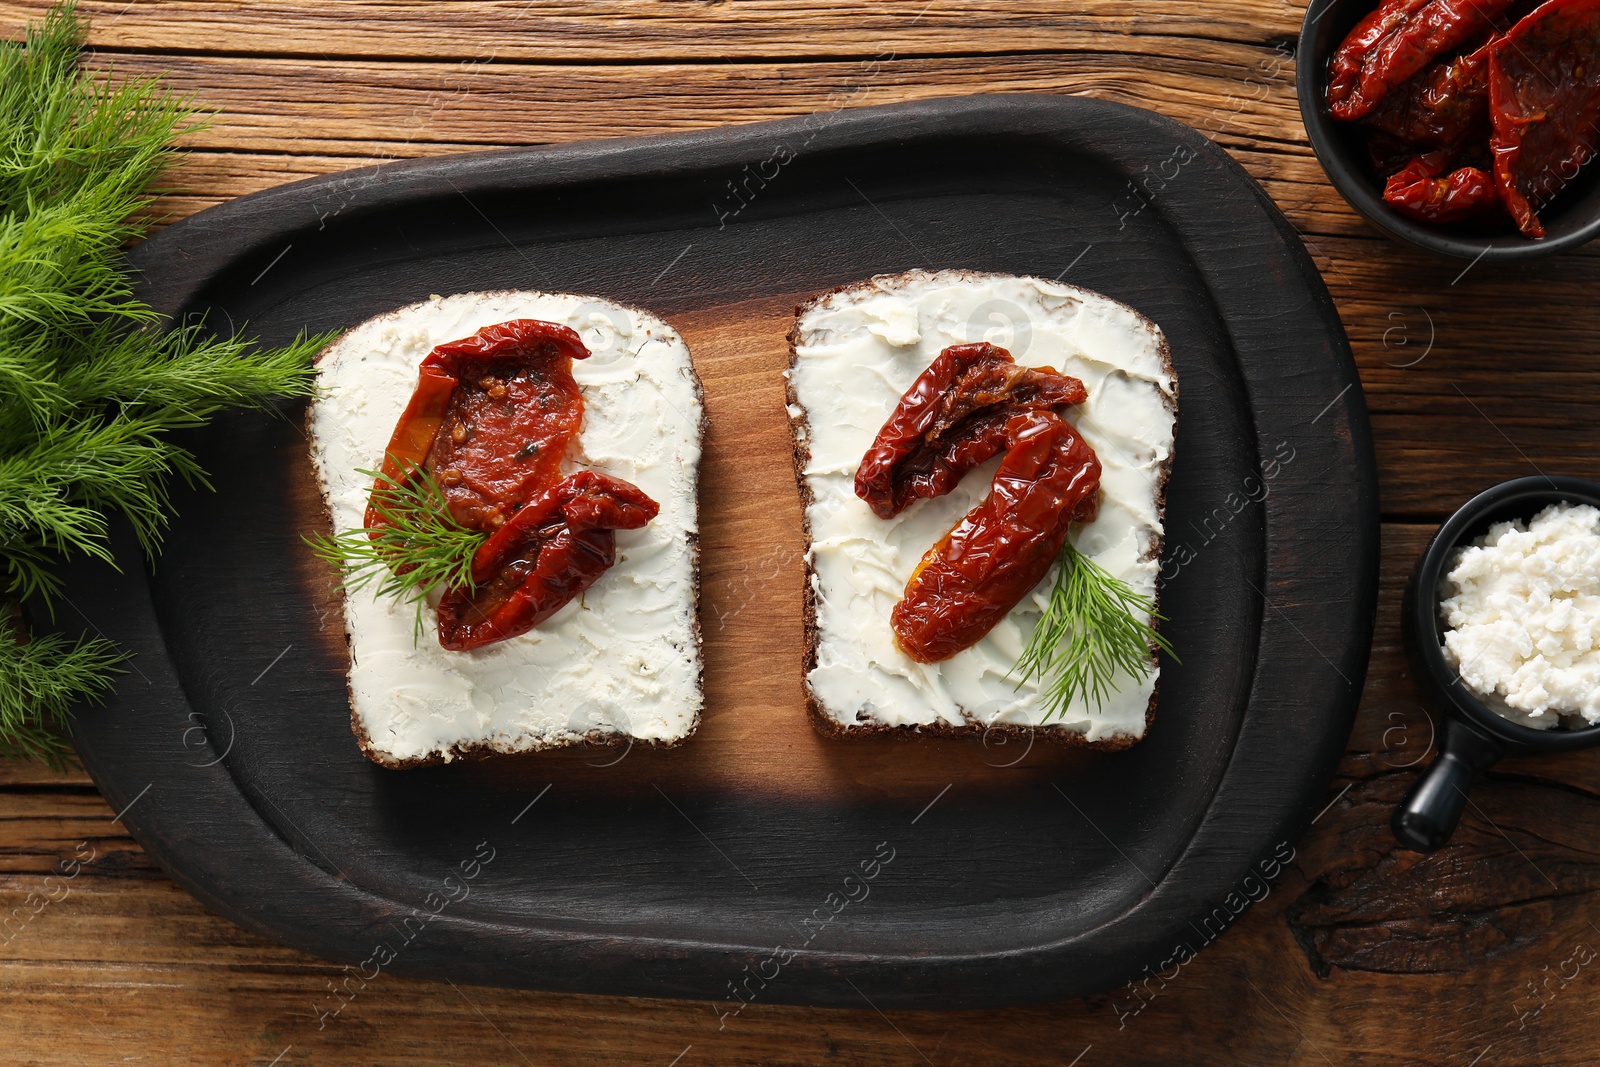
<point>595,738</point>
<point>800,437</point>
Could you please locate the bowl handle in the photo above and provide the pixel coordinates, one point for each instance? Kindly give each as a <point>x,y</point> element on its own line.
<point>1428,815</point>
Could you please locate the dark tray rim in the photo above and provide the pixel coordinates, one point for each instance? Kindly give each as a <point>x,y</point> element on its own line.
<point>1276,777</point>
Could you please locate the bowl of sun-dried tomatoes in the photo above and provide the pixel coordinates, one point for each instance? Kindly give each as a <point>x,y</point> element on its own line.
<point>1467,128</point>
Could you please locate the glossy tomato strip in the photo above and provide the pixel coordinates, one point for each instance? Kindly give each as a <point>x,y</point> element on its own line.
<point>952,419</point>
<point>1446,106</point>
<point>413,436</point>
<point>1398,40</point>
<point>1439,28</point>
<point>513,416</point>
<point>1544,102</point>
<point>1350,58</point>
<point>978,572</point>
<point>491,418</point>
<point>1422,193</point>
<point>549,552</point>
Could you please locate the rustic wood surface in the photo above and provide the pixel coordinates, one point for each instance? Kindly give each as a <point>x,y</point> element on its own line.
<point>1360,954</point>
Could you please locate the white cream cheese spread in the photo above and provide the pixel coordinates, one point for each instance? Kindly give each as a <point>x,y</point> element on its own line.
<point>623,658</point>
<point>856,353</point>
<point>1522,605</point>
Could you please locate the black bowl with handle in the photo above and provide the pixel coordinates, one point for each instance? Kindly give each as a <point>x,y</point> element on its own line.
<point>1572,219</point>
<point>1471,737</point>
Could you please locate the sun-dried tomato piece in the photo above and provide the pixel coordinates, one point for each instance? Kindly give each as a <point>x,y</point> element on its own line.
<point>952,419</point>
<point>515,410</point>
<point>491,419</point>
<point>979,571</point>
<point>1544,103</point>
<point>1398,40</point>
<point>1423,192</point>
<point>1444,106</point>
<point>1350,58</point>
<point>548,553</point>
<point>412,439</point>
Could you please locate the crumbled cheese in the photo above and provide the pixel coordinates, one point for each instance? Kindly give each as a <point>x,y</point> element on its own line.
<point>1523,607</point>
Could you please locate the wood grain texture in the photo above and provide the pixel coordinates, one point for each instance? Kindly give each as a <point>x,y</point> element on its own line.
<point>386,107</point>
<point>636,30</point>
<point>1361,954</point>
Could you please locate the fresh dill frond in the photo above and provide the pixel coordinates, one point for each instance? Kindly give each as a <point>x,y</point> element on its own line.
<point>92,382</point>
<point>421,548</point>
<point>184,373</point>
<point>77,155</point>
<point>1094,631</point>
<point>40,680</point>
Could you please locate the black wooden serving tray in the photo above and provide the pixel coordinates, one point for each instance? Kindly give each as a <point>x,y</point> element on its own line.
<point>759,862</point>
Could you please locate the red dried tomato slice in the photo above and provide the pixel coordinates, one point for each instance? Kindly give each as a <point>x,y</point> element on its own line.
<point>1444,106</point>
<point>1422,193</point>
<point>979,571</point>
<point>492,418</point>
<point>548,553</point>
<point>952,419</point>
<point>1350,58</point>
<point>1398,40</point>
<point>515,410</point>
<point>1544,103</point>
<point>412,439</point>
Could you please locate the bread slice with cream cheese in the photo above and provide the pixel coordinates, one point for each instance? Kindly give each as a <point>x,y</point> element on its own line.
<point>855,351</point>
<point>622,662</point>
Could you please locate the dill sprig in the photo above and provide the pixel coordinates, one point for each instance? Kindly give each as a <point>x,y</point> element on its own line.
<point>421,548</point>
<point>1094,631</point>
<point>40,680</point>
<point>92,383</point>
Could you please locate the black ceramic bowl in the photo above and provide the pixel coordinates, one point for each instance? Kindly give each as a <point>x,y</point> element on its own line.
<point>1471,737</point>
<point>1571,220</point>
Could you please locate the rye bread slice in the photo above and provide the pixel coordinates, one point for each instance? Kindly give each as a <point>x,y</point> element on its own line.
<point>831,725</point>
<point>483,748</point>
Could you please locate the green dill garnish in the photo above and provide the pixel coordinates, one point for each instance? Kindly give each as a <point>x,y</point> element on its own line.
<point>91,382</point>
<point>1094,631</point>
<point>421,547</point>
<point>40,679</point>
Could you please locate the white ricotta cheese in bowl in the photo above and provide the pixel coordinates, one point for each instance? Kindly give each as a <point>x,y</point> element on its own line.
<point>1522,607</point>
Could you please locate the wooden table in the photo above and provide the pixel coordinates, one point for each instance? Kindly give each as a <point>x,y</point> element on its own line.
<point>1361,953</point>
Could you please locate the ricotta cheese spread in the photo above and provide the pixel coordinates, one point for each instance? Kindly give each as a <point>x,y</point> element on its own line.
<point>1522,604</point>
<point>856,353</point>
<point>623,658</point>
